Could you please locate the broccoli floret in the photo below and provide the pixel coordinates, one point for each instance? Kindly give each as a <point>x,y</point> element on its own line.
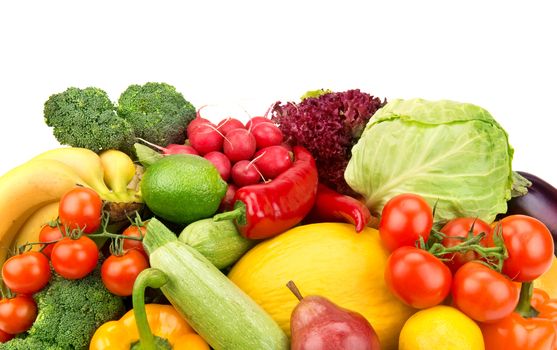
<point>157,112</point>
<point>87,118</point>
<point>69,313</point>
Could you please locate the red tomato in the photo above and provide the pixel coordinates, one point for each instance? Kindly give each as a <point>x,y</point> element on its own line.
<point>81,208</point>
<point>26,273</point>
<point>417,277</point>
<point>530,247</point>
<point>460,227</point>
<point>119,272</point>
<point>74,258</point>
<point>483,294</point>
<point>50,234</point>
<point>138,232</point>
<point>4,337</point>
<point>404,219</point>
<point>17,314</point>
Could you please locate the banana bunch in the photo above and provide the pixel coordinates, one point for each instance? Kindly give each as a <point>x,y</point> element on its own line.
<point>29,193</point>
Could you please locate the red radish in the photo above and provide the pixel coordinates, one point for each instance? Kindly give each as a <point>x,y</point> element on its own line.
<point>198,121</point>
<point>227,202</point>
<point>228,124</point>
<point>172,148</point>
<point>179,149</point>
<point>205,139</point>
<point>221,162</point>
<point>272,161</point>
<point>245,173</point>
<point>266,134</point>
<point>239,145</point>
<point>256,120</point>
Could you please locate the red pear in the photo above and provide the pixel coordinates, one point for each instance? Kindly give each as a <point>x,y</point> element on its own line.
<point>319,324</point>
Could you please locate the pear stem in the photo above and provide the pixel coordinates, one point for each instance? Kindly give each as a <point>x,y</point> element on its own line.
<point>294,289</point>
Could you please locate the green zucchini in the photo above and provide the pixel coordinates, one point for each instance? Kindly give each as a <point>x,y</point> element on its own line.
<point>218,241</point>
<point>216,308</point>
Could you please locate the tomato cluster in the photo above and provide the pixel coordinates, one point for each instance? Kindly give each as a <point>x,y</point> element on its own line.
<point>67,247</point>
<point>467,262</point>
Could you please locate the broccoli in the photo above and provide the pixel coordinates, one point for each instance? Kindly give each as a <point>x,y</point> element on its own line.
<point>87,118</point>
<point>69,313</point>
<point>157,112</point>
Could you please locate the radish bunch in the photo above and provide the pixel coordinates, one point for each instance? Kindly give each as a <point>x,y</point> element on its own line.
<point>243,154</point>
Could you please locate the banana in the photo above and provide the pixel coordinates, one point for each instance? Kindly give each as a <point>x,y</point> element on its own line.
<point>28,187</point>
<point>30,230</point>
<point>118,168</point>
<point>86,163</point>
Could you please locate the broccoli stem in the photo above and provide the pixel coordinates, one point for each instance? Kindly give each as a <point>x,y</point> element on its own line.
<point>153,278</point>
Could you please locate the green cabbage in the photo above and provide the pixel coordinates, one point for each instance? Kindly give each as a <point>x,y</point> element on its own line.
<point>453,154</point>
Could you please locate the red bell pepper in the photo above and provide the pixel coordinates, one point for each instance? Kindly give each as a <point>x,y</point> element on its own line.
<point>267,209</point>
<point>533,326</point>
<point>333,206</point>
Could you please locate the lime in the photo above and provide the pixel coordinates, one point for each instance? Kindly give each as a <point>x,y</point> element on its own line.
<point>440,328</point>
<point>182,188</point>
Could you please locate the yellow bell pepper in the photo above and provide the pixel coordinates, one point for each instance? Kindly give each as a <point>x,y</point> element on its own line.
<point>164,321</point>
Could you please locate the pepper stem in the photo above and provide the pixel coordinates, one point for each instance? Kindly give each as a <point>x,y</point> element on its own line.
<point>238,214</point>
<point>524,307</point>
<point>153,278</point>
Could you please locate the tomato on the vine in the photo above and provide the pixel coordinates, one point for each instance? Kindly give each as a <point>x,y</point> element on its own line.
<point>4,337</point>
<point>50,234</point>
<point>26,273</point>
<point>81,208</point>
<point>417,277</point>
<point>404,219</point>
<point>482,293</point>
<point>137,232</point>
<point>118,272</point>
<point>455,231</point>
<point>17,314</point>
<point>74,258</point>
<point>529,245</point>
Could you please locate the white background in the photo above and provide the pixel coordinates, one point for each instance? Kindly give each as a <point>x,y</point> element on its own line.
<point>500,55</point>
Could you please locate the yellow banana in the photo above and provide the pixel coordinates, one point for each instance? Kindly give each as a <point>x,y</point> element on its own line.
<point>28,187</point>
<point>30,230</point>
<point>86,163</point>
<point>118,168</point>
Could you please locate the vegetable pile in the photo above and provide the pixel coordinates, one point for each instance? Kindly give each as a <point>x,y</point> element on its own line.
<point>340,222</point>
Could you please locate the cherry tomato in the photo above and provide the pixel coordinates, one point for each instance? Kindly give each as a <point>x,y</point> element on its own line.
<point>4,337</point>
<point>26,273</point>
<point>17,314</point>
<point>81,208</point>
<point>119,272</point>
<point>74,258</point>
<point>138,232</point>
<point>404,219</point>
<point>417,277</point>
<point>483,294</point>
<point>50,234</point>
<point>459,228</point>
<point>529,245</point>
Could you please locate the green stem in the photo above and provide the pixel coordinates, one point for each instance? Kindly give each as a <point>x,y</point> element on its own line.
<point>153,278</point>
<point>113,235</point>
<point>230,215</point>
<point>524,306</point>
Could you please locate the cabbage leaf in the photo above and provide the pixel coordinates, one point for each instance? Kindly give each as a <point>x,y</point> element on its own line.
<point>453,154</point>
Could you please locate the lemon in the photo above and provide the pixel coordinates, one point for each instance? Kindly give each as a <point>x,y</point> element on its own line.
<point>440,328</point>
<point>182,188</point>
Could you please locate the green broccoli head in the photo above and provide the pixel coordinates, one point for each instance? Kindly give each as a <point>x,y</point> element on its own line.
<point>157,112</point>
<point>69,313</point>
<point>87,118</point>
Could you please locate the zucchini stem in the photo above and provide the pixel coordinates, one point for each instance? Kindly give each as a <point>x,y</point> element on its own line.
<point>153,278</point>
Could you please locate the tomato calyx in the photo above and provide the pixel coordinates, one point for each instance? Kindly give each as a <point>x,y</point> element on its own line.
<point>491,256</point>
<point>524,307</point>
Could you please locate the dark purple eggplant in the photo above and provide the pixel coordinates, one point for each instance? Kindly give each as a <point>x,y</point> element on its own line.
<point>540,202</point>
